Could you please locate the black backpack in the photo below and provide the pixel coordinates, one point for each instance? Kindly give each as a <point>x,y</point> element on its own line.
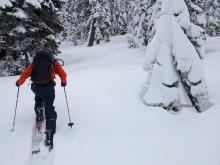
<point>42,68</point>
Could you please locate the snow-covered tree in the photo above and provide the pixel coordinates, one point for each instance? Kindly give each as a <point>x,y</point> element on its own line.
<point>99,21</point>
<point>74,16</point>
<point>141,24</point>
<point>120,20</point>
<point>197,17</point>
<point>197,14</point>
<point>213,17</point>
<point>129,7</point>
<point>27,26</point>
<point>174,59</point>
<point>68,16</point>
<point>104,21</point>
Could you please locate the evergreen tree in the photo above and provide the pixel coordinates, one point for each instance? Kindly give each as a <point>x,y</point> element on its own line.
<point>197,14</point>
<point>104,21</point>
<point>213,17</point>
<point>174,59</point>
<point>120,20</point>
<point>68,17</point>
<point>83,10</point>
<point>27,26</point>
<point>129,6</point>
<point>74,16</point>
<point>100,21</point>
<point>112,13</point>
<point>141,24</point>
<point>197,17</point>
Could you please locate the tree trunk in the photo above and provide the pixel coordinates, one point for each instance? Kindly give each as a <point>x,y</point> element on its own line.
<point>92,32</point>
<point>98,42</point>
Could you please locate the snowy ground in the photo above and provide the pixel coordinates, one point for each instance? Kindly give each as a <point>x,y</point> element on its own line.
<point>112,126</point>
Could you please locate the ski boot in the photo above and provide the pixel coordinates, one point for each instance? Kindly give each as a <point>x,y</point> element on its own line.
<point>39,118</point>
<point>49,139</point>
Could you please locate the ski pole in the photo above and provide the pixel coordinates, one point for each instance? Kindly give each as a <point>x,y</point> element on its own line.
<point>70,124</point>
<point>13,126</point>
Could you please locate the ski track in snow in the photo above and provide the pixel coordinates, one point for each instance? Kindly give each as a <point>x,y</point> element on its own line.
<point>112,127</point>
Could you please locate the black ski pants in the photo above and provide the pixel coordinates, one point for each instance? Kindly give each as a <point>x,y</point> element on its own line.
<point>44,96</point>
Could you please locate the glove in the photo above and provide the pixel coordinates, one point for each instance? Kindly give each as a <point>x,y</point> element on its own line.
<point>17,84</point>
<point>63,84</point>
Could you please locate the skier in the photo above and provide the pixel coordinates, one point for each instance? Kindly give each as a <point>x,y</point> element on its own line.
<point>42,72</point>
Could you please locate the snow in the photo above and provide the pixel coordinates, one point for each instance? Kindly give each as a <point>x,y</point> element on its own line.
<point>20,14</point>
<point>175,57</point>
<point>20,29</point>
<point>35,3</point>
<point>4,3</point>
<point>112,127</point>
<point>212,44</point>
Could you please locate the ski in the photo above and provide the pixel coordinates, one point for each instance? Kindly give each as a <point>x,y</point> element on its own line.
<point>37,136</point>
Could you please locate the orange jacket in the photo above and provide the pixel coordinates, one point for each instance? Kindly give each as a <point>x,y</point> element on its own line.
<point>57,69</point>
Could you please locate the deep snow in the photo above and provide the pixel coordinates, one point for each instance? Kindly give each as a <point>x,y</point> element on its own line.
<point>112,126</point>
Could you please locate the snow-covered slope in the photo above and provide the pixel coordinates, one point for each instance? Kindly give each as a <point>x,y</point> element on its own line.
<point>212,44</point>
<point>112,127</point>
